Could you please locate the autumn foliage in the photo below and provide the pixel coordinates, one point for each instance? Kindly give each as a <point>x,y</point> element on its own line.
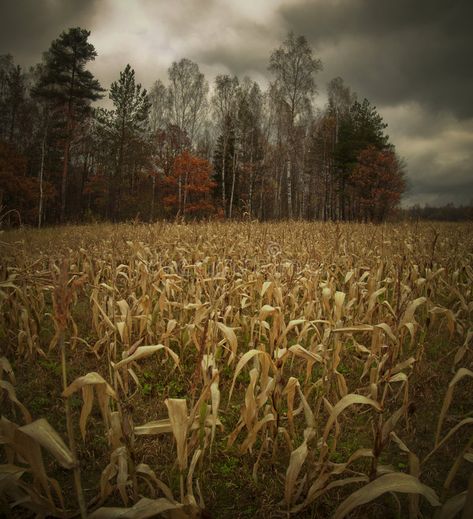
<point>378,183</point>
<point>18,191</point>
<point>188,189</point>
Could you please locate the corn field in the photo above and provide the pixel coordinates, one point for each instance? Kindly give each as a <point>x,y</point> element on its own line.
<point>237,370</point>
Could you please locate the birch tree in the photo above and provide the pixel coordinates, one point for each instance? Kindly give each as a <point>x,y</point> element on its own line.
<point>224,103</point>
<point>187,98</point>
<point>294,68</point>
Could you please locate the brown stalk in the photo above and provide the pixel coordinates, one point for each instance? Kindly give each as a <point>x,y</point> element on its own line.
<point>62,300</point>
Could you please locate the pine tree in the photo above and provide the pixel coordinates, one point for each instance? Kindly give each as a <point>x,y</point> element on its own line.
<point>6,69</point>
<point>66,83</point>
<point>12,96</point>
<point>125,128</point>
<point>358,129</point>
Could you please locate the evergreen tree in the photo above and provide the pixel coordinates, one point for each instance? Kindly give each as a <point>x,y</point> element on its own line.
<point>125,129</point>
<point>6,69</point>
<point>12,96</point>
<point>66,83</point>
<point>359,128</point>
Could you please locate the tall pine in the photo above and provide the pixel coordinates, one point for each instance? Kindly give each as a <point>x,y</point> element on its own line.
<point>65,83</point>
<point>125,127</point>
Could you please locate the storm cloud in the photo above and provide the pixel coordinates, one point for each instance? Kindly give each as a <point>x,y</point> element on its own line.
<point>395,51</point>
<point>413,60</point>
<point>28,26</point>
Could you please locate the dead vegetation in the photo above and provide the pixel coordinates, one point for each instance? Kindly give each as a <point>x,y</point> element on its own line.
<point>237,370</point>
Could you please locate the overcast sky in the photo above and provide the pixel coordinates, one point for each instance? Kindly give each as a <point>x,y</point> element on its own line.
<point>413,59</point>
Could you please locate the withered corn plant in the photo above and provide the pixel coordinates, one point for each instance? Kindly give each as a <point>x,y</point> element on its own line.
<point>333,361</point>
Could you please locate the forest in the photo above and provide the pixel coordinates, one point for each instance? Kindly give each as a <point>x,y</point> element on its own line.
<point>72,151</point>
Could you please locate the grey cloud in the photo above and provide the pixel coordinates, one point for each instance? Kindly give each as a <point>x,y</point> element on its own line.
<point>392,51</point>
<point>329,20</point>
<point>439,152</point>
<point>245,55</point>
<point>425,192</point>
<point>28,27</point>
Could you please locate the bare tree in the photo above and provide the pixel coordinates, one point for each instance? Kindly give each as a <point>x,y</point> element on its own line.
<point>187,96</point>
<point>224,104</point>
<point>293,66</point>
<point>159,113</point>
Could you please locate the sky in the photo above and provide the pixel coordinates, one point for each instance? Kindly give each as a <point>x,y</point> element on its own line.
<point>413,59</point>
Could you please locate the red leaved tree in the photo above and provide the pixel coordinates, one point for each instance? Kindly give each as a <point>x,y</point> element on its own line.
<point>188,188</point>
<point>19,193</point>
<point>378,183</point>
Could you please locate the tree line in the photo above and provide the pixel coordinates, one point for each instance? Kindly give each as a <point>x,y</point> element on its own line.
<point>184,149</point>
<point>446,213</point>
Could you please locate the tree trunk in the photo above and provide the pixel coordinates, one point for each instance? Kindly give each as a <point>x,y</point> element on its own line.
<point>111,197</point>
<point>67,145</point>
<point>342,200</point>
<point>85,170</point>
<point>289,187</point>
<point>41,174</point>
<point>12,124</point>
<point>65,173</point>
<point>233,184</point>
<point>260,212</point>
<point>186,182</point>
<point>278,210</point>
<point>224,153</point>
<point>252,180</point>
<point>179,194</point>
<point>153,193</point>
<point>114,200</point>
<point>250,194</point>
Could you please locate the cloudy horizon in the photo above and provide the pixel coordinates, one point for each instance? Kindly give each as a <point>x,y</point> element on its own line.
<point>412,61</point>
